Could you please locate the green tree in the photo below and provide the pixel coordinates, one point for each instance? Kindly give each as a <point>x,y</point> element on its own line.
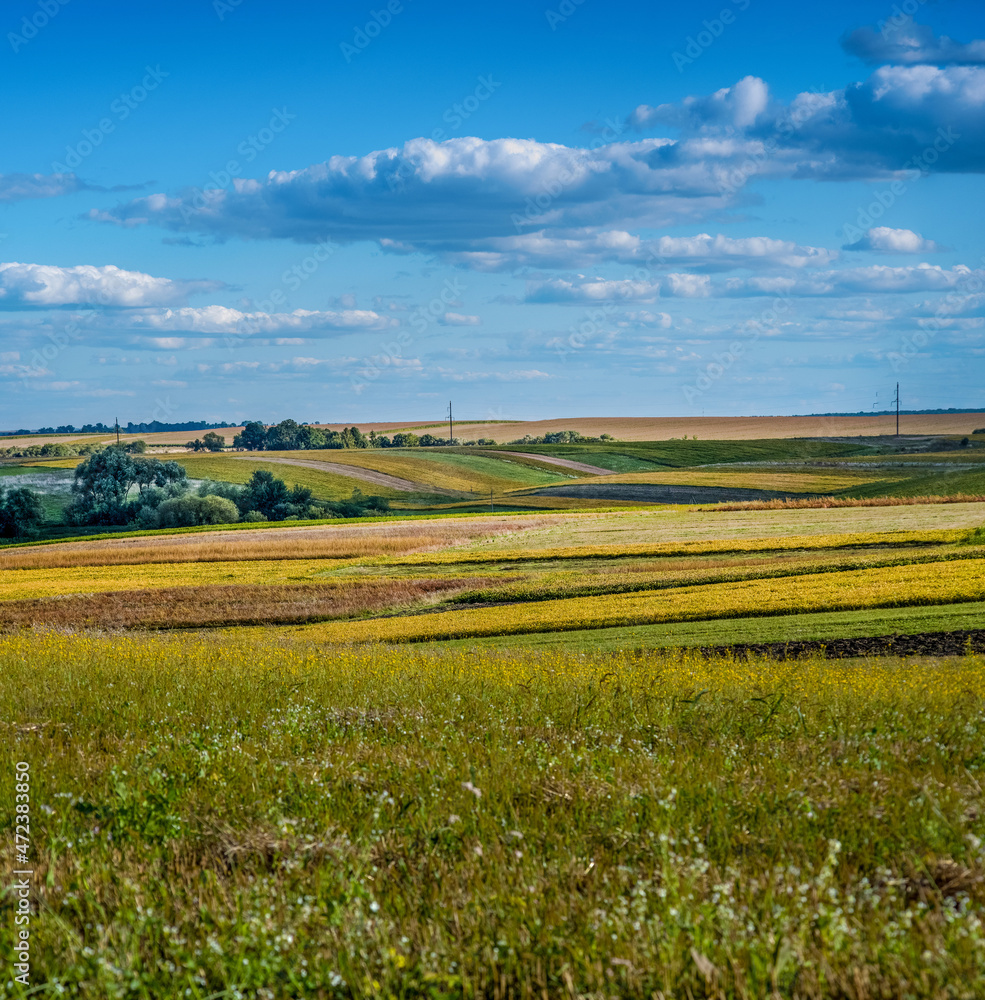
<point>267,494</point>
<point>213,441</point>
<point>21,513</point>
<point>252,438</point>
<point>103,483</point>
<point>283,436</point>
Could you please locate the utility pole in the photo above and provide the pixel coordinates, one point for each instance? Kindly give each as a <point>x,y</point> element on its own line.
<point>117,431</point>
<point>451,432</point>
<point>897,409</point>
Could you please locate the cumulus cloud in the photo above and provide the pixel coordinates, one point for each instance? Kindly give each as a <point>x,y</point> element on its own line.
<point>703,251</point>
<point>738,106</point>
<point>885,240</point>
<point>45,286</point>
<point>448,195</point>
<point>514,202</point>
<point>902,118</point>
<point>909,43</point>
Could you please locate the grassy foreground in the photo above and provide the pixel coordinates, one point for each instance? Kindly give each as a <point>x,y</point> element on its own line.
<point>239,818</point>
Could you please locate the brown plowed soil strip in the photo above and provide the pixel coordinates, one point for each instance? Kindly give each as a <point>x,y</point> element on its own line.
<point>565,463</point>
<point>202,607</point>
<point>355,472</point>
<point>955,643</point>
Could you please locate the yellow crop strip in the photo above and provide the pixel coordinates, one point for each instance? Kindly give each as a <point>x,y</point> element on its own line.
<point>30,584</point>
<point>801,481</point>
<point>897,586</point>
<point>476,553</point>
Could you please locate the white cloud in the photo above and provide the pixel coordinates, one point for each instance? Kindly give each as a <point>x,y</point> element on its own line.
<point>459,319</point>
<point>738,106</point>
<point>223,321</point>
<point>875,279</point>
<point>886,240</point>
<point>586,247</point>
<point>46,286</point>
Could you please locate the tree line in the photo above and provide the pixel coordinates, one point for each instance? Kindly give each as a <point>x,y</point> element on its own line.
<point>289,435</point>
<point>115,487</point>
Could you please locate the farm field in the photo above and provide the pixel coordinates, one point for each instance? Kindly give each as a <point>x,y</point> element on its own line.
<point>659,749</point>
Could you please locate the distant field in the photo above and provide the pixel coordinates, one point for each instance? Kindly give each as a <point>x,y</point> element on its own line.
<point>623,428</point>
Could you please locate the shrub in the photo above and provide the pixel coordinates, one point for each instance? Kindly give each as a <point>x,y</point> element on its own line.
<point>253,516</point>
<point>217,510</point>
<point>184,512</point>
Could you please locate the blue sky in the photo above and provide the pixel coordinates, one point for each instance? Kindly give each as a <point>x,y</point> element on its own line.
<point>214,209</point>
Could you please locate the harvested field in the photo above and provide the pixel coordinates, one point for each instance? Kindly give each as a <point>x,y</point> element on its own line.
<point>200,607</point>
<point>727,428</point>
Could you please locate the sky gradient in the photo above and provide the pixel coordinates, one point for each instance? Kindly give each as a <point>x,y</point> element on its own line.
<point>231,209</point>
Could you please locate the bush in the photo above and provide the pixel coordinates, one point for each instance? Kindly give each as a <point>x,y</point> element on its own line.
<point>187,511</point>
<point>253,517</point>
<point>217,510</point>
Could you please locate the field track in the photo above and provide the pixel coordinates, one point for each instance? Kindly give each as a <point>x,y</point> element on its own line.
<point>565,463</point>
<point>357,472</point>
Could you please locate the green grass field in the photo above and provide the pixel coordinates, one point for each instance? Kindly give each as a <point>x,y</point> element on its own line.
<point>212,819</point>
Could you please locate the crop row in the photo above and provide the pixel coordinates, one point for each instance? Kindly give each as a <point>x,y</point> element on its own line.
<point>897,586</point>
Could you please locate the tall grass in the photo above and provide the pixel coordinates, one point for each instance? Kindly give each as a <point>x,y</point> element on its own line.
<point>231,819</point>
